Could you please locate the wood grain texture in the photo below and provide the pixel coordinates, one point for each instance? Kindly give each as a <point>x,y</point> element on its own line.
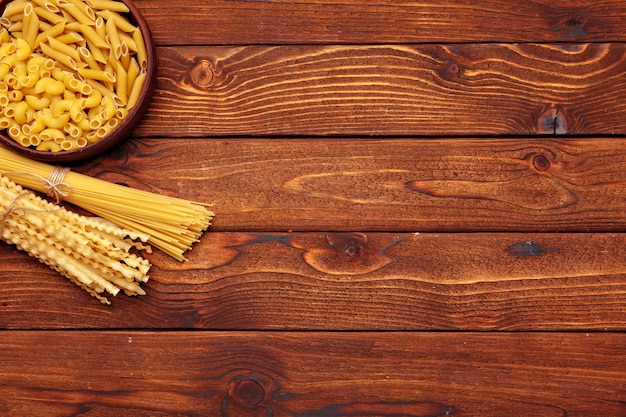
<point>311,374</point>
<point>400,185</point>
<point>400,230</point>
<point>202,22</point>
<point>348,281</point>
<point>446,90</point>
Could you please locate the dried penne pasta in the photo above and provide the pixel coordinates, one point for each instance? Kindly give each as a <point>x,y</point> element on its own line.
<point>112,36</point>
<point>92,36</point>
<point>46,14</point>
<point>121,83</point>
<point>31,24</point>
<point>58,56</point>
<point>135,90</point>
<point>114,6</point>
<point>120,22</point>
<point>63,48</point>
<point>142,54</point>
<point>97,74</point>
<point>13,8</point>
<point>77,13</point>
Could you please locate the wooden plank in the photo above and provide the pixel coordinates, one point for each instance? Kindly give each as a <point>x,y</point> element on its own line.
<point>311,374</point>
<point>347,281</point>
<point>447,90</point>
<point>399,185</point>
<point>203,22</point>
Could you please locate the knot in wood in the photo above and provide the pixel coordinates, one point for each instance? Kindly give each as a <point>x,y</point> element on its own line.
<point>453,69</point>
<point>351,250</point>
<point>202,73</point>
<point>541,163</point>
<point>575,21</point>
<point>553,121</point>
<point>349,247</point>
<point>248,393</point>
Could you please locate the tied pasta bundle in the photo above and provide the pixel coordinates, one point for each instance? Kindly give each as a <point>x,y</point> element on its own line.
<point>172,224</point>
<point>70,71</point>
<point>89,252</point>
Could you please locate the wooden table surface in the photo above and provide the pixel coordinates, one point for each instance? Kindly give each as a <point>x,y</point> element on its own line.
<point>420,212</point>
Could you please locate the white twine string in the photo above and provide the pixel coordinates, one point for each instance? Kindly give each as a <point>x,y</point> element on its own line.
<point>55,184</point>
<point>55,187</point>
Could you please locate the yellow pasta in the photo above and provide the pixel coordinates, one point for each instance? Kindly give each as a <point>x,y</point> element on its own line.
<point>17,111</point>
<point>58,56</point>
<point>54,31</point>
<point>93,254</point>
<point>41,61</point>
<point>121,83</point>
<point>172,224</point>
<point>112,36</point>
<point>50,86</point>
<point>33,140</point>
<point>37,103</point>
<point>61,106</point>
<point>14,132</point>
<point>54,134</point>
<point>73,130</point>
<point>76,110</point>
<point>15,95</point>
<point>31,24</point>
<point>92,36</point>
<point>47,14</point>
<point>23,140</point>
<point>36,126</point>
<point>4,70</point>
<point>48,146</point>
<point>79,86</point>
<point>97,74</point>
<point>120,22</point>
<point>22,49</point>
<point>70,38</point>
<point>135,90</point>
<point>132,73</point>
<point>142,54</point>
<point>63,48</point>
<point>55,122</point>
<point>69,67</point>
<point>13,8</point>
<point>76,12</point>
<point>87,57</point>
<point>128,40</point>
<point>93,99</point>
<point>114,6</point>
<point>45,4</point>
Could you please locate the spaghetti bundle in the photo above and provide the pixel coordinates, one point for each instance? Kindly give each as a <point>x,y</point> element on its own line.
<point>172,224</point>
<point>91,253</point>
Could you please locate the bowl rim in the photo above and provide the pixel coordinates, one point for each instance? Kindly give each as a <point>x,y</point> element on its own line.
<point>126,125</point>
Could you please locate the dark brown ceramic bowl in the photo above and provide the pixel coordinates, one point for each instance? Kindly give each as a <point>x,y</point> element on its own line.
<point>125,127</point>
